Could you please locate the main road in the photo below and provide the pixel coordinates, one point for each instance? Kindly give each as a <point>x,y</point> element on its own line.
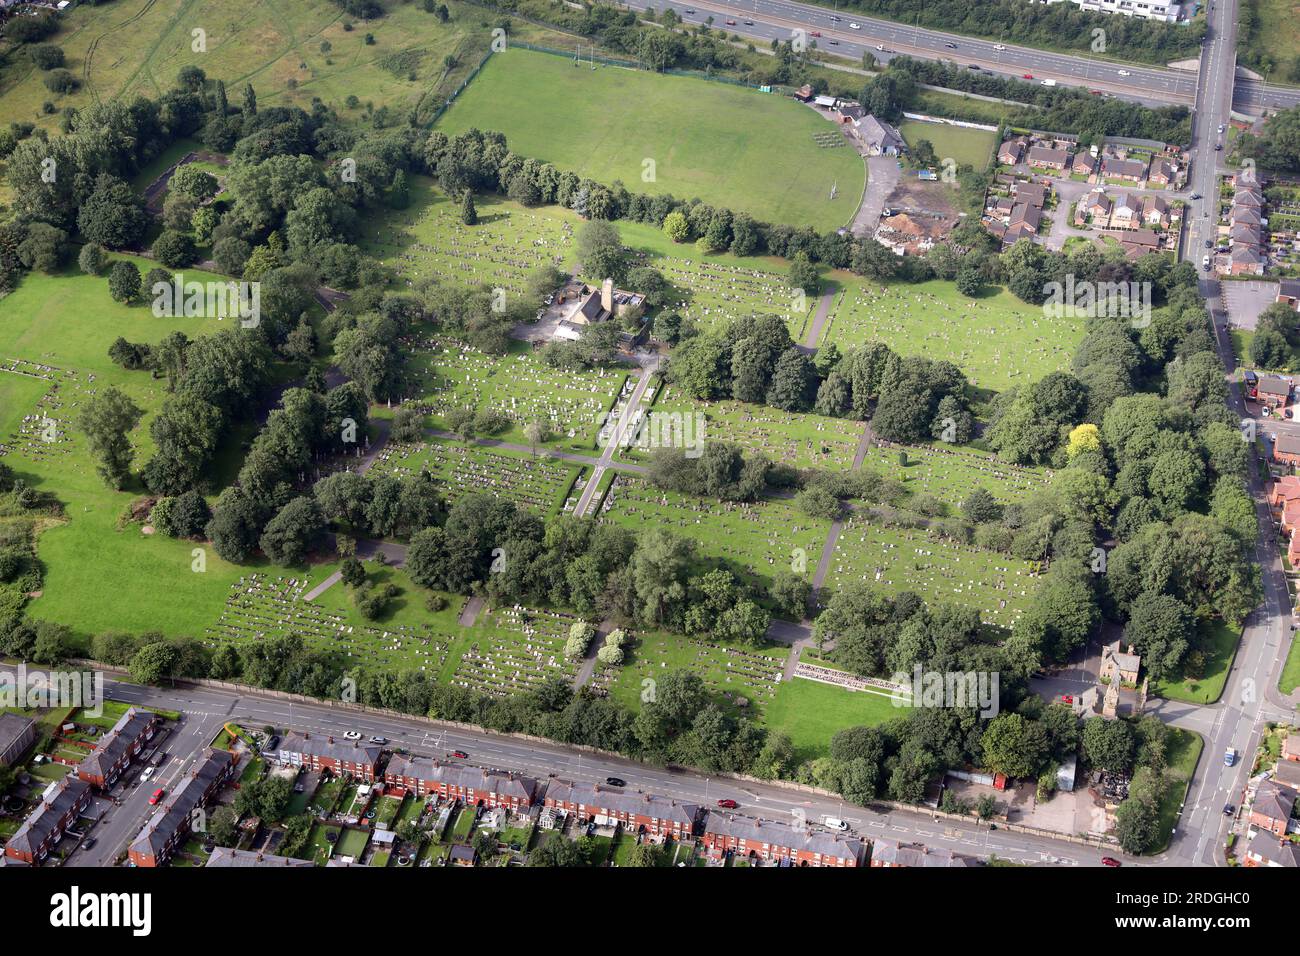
<point>766,20</point>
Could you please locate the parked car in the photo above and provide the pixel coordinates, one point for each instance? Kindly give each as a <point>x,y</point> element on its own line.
<point>1110,861</point>
<point>157,795</point>
<point>616,781</point>
<point>148,774</point>
<point>351,735</point>
<point>728,804</point>
<point>1229,809</point>
<point>88,843</point>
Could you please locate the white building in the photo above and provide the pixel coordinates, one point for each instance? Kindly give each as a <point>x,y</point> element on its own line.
<point>1164,10</point>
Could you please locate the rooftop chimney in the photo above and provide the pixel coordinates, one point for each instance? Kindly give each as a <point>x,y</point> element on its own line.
<point>607,295</point>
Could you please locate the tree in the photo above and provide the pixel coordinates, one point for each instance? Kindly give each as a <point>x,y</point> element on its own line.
<point>1160,628</point>
<point>106,419</point>
<point>647,854</point>
<point>153,662</point>
<point>468,212</point>
<point>112,215</point>
<point>294,532</point>
<point>793,382</point>
<point>174,249</point>
<point>601,252</point>
<point>1108,744</point>
<point>980,506</point>
<point>676,227</point>
<point>44,248</point>
<point>1014,745</point>
<point>804,275</point>
<point>235,526</point>
<point>124,282</point>
<point>92,259</point>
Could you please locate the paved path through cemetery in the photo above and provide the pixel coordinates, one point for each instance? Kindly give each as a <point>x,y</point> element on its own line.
<point>630,408</point>
<point>818,322</point>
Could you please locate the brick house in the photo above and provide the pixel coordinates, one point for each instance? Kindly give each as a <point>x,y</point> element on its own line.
<point>1271,810</point>
<point>1248,195</point>
<point>171,822</point>
<point>1273,391</point>
<point>1263,850</point>
<point>1011,152</point>
<point>1129,170</point>
<point>1155,211</point>
<point>1044,157</point>
<point>1288,292</point>
<point>1245,261</point>
<point>224,858</point>
<point>890,854</point>
<point>1291,745</point>
<point>657,817</point>
<point>473,786</point>
<point>325,753</point>
<point>1286,450</point>
<point>117,748</point>
<point>1126,213</point>
<point>60,806</point>
<point>17,733</point>
<point>780,843</point>
<point>1084,163</point>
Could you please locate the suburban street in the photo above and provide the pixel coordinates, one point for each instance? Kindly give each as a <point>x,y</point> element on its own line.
<point>206,709</point>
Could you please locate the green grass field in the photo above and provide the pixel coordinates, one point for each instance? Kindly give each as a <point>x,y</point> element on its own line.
<point>723,144</point>
<point>1290,678</point>
<point>996,339</point>
<point>1181,756</point>
<point>290,50</point>
<point>968,147</point>
<point>1276,37</point>
<point>811,713</point>
<point>1221,647</point>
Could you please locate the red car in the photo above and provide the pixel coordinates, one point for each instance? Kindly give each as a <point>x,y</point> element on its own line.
<point>459,753</point>
<point>1027,76</point>
<point>1096,92</point>
<point>817,33</point>
<point>157,795</point>
<point>731,23</point>
<point>1110,861</point>
<point>728,804</point>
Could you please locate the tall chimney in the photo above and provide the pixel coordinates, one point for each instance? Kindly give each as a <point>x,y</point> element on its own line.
<point>607,296</point>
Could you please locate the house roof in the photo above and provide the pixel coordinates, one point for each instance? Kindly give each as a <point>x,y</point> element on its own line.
<point>1288,444</point>
<point>1032,193</point>
<point>1045,154</point>
<point>1124,167</point>
<point>1084,161</point>
<point>1291,745</point>
<point>184,800</point>
<point>1289,288</point>
<point>459,775</point>
<point>1011,151</point>
<point>1271,850</point>
<point>117,742</point>
<point>1273,802</point>
<point>616,801</point>
<point>1273,385</point>
<point>13,727</point>
<point>1247,196</point>
<point>877,133</point>
<point>914,855</point>
<point>1246,254</point>
<point>338,750</point>
<point>226,857</point>
<point>1287,773</point>
<point>1154,204</point>
<point>1031,216</point>
<point>1288,489</point>
<point>1245,214</point>
<point>57,801</point>
<point>780,833</point>
<point>1127,202</point>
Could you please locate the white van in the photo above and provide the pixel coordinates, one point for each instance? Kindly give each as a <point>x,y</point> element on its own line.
<point>835,823</point>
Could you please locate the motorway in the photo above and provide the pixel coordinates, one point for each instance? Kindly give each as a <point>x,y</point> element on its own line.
<point>766,20</point>
<point>206,709</point>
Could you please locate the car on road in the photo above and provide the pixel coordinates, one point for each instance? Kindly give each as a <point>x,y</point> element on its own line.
<point>1209,243</point>
<point>1110,861</point>
<point>1195,196</point>
<point>951,46</point>
<point>833,42</point>
<point>351,735</point>
<point>972,66</point>
<point>854,26</point>
<point>88,843</point>
<point>728,804</point>
<point>157,795</point>
<point>731,23</point>
<point>616,781</point>
<point>691,12</point>
<point>459,754</point>
<point>1096,93</point>
<point>148,774</point>
<point>1218,146</point>
<point>1229,809</point>
<point>1221,127</point>
<point>835,823</point>
<point>835,19</point>
<point>1230,757</point>
<point>749,23</point>
<point>999,47</point>
<point>1125,73</point>
<point>379,740</point>
<point>1205,264</point>
<point>1026,76</point>
<point>880,47</point>
<point>816,33</point>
